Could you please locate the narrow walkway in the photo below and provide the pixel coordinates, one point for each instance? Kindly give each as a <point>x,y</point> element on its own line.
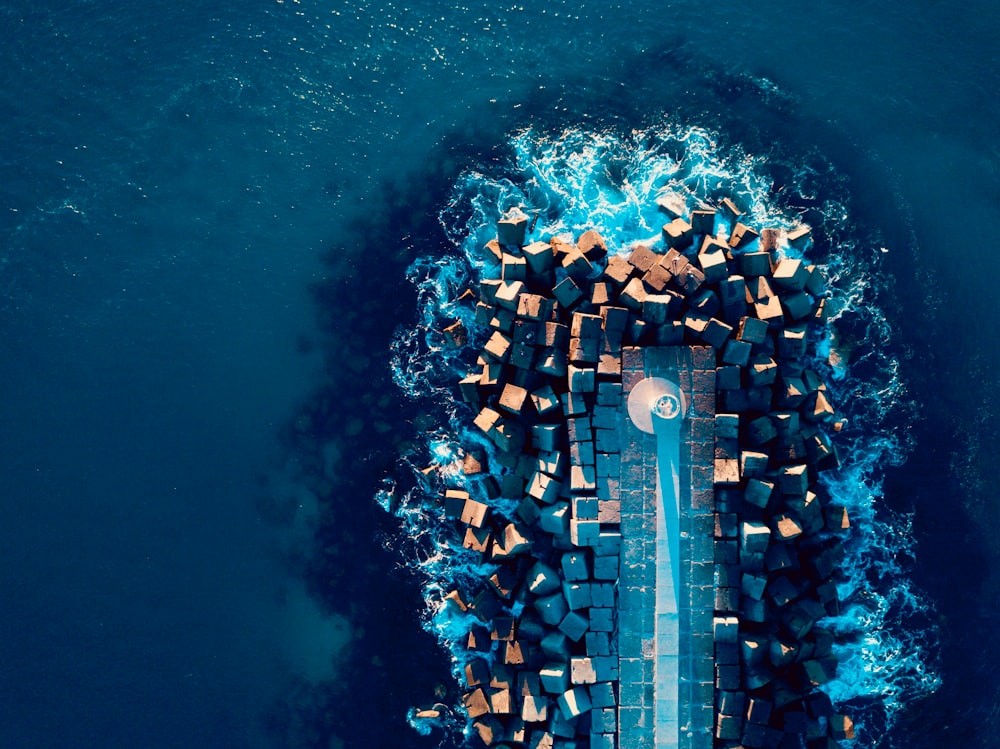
<point>665,642</point>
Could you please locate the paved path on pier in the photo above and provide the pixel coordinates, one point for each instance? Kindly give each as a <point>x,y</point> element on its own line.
<point>665,645</point>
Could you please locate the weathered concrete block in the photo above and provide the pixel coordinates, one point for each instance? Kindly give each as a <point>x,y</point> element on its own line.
<point>574,625</point>
<point>786,527</point>
<point>608,543</point>
<point>752,330</point>
<point>507,294</point>
<point>736,352</point>
<point>690,279</point>
<point>534,708</point>
<point>554,677</point>
<point>753,463</point>
<point>727,472</point>
<point>606,568</point>
<point>758,492</point>
<point>474,513</point>
<point>792,342</point>
<point>497,346</point>
<point>706,301</point>
<point>539,257</point>
<point>725,629</point>
<point>511,228</point>
<point>715,333</point>
<point>552,608</point>
<point>727,378</point>
<point>633,295</point>
<point>592,244</point>
<point>769,310</point>
<point>758,710</point>
<point>555,645</point>
<point>513,267</point>
<point>581,379</point>
<point>714,265</point>
<point>574,702</point>
<point>544,488</point>
<point>575,566</point>
<point>542,580</point>
<point>577,595</point>
<point>584,532</point>
<point>513,399</point>
<point>657,308</point>
<point>798,305</point>
<point>818,408</point>
<point>794,479</point>
<point>601,619</point>
<point>799,237</point>
<point>476,703</point>
<point>583,478</point>
<point>730,210</point>
<point>598,643</point>
<point>657,278</point>
<point>727,426</point>
<point>554,518</point>
<point>577,265</point>
<point>567,293</point>
<point>602,695</point>
<point>703,221</point>
<point>491,252</point>
<point>760,431</point>
<point>754,537</point>
<point>753,586</point>
<point>742,235</point>
<point>643,258</point>
<point>546,437</point>
<point>516,540</point>
<point>791,273</point>
<point>678,234</point>
<point>755,264</point>
<point>582,671</point>
<point>618,271</point>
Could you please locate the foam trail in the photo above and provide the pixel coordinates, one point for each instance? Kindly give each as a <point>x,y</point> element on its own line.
<point>577,180</point>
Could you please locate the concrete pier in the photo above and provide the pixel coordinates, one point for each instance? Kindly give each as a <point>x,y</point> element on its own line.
<point>665,641</point>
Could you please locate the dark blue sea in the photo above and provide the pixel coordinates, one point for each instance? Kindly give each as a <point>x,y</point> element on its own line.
<point>222,226</point>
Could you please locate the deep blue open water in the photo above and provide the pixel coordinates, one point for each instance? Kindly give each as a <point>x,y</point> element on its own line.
<point>207,217</point>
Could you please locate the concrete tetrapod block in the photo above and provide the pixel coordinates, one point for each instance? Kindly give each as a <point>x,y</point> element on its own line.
<point>556,645</point>
<point>542,580</point>
<point>552,608</point>
<point>575,566</point>
<point>754,537</point>
<point>574,702</point>
<point>582,671</point>
<point>476,703</point>
<point>577,595</point>
<point>511,229</point>
<point>555,518</point>
<point>725,629</point>
<point>678,234</point>
<point>574,625</point>
<point>554,677</point>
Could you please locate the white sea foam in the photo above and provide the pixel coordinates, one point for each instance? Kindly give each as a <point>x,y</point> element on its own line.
<point>577,180</point>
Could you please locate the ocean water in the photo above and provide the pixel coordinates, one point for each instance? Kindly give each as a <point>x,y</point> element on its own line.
<point>207,217</point>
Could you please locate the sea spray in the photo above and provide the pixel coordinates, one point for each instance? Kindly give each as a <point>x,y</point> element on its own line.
<point>576,180</point>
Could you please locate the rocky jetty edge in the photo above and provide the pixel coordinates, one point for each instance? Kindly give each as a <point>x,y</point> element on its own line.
<point>539,664</point>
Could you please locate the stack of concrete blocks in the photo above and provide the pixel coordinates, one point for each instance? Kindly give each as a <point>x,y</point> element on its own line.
<point>546,389</point>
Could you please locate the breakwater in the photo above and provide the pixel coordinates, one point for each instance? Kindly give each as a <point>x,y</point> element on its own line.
<point>541,504</point>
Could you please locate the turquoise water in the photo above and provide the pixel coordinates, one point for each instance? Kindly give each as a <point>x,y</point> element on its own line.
<point>206,216</point>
